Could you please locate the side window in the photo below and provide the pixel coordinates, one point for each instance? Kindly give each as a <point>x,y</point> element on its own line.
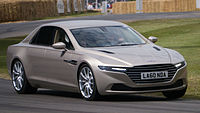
<point>61,36</point>
<point>44,36</point>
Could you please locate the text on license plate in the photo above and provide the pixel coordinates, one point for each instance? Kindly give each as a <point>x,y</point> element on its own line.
<point>154,75</point>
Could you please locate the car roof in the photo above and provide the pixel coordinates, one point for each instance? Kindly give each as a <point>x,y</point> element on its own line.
<point>84,23</point>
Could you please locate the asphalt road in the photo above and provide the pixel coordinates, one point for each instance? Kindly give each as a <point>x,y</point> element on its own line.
<point>20,29</point>
<point>50,101</point>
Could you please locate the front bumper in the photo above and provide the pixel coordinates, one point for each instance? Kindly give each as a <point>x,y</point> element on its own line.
<point>111,83</point>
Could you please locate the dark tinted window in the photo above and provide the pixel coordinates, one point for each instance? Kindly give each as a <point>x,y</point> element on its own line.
<point>106,36</point>
<point>61,36</point>
<point>44,36</point>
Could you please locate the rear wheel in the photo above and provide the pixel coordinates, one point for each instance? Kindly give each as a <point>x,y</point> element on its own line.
<point>19,80</point>
<point>87,84</point>
<point>175,94</point>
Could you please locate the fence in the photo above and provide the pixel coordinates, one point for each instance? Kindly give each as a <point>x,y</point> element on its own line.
<point>155,6</point>
<point>14,10</point>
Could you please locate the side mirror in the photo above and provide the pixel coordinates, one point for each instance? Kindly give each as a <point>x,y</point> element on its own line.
<point>59,45</point>
<point>153,39</point>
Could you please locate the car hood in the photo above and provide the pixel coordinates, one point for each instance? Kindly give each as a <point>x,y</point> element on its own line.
<point>131,55</point>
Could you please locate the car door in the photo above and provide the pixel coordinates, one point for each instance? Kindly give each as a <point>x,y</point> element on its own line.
<point>60,66</point>
<point>36,53</point>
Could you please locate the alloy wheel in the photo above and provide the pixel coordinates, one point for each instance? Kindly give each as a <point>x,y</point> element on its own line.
<point>18,75</point>
<point>86,82</point>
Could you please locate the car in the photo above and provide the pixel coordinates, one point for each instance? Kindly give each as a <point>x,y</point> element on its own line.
<point>95,58</point>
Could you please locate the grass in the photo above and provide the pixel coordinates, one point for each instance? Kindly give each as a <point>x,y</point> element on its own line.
<point>88,13</point>
<point>182,35</point>
<point>4,43</point>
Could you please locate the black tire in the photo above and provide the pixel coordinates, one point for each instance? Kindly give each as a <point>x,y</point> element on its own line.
<point>94,94</point>
<point>26,87</point>
<point>175,94</point>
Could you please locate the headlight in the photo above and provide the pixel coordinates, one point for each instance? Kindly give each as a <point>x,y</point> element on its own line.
<point>116,69</point>
<point>180,64</point>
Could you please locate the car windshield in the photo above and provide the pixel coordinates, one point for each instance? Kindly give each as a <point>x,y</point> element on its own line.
<point>106,36</point>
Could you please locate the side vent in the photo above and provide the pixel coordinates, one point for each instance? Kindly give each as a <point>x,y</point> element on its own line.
<point>106,51</point>
<point>156,48</point>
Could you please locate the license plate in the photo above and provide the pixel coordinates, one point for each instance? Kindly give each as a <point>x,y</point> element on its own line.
<point>154,75</point>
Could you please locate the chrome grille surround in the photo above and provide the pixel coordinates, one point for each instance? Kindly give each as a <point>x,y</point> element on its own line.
<point>134,73</point>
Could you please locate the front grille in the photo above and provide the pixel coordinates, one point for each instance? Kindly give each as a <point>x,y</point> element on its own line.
<point>134,73</point>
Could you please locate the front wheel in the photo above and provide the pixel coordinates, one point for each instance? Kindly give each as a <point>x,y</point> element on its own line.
<point>19,80</point>
<point>175,94</point>
<point>87,84</point>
